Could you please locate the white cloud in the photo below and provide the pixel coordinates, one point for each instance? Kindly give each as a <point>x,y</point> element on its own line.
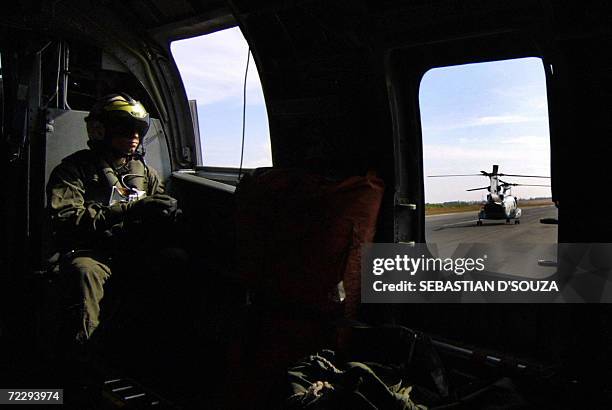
<point>225,152</point>
<point>213,66</point>
<point>529,141</point>
<point>500,119</point>
<point>482,121</point>
<point>539,103</point>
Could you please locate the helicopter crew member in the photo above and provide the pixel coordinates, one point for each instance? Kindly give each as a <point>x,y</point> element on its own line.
<point>106,207</point>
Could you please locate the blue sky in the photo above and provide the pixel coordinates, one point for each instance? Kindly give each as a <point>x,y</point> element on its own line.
<point>473,116</point>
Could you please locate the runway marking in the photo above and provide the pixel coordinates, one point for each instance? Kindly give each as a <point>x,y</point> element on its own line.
<point>439,228</point>
<point>457,223</point>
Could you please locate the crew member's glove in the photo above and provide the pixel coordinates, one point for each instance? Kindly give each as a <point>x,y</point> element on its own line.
<point>153,207</point>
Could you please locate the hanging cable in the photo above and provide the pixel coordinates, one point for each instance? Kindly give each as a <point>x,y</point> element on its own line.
<point>65,73</point>
<point>244,95</point>
<point>59,70</point>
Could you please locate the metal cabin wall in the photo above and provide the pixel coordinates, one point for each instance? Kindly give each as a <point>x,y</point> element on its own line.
<point>584,148</point>
<point>324,85</point>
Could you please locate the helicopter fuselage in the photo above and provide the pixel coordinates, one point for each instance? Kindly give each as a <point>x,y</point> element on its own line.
<point>500,207</point>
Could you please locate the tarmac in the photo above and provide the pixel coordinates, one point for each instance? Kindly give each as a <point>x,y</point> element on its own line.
<point>526,250</point>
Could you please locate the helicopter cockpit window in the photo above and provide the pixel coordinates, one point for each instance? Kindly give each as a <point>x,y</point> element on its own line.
<point>213,68</point>
<point>486,159</point>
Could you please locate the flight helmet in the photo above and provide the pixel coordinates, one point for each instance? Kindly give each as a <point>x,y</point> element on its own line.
<point>116,112</point>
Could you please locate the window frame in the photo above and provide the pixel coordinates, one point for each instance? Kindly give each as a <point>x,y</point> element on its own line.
<point>405,68</point>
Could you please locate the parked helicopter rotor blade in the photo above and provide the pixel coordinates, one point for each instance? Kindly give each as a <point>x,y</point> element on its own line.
<point>528,185</point>
<point>453,175</point>
<point>478,189</point>
<point>508,183</point>
<point>504,183</point>
<point>523,176</point>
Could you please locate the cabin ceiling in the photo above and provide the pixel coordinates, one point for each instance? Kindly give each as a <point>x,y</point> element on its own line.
<point>377,20</point>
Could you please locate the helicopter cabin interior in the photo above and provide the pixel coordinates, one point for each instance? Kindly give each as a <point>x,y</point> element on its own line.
<point>341,84</point>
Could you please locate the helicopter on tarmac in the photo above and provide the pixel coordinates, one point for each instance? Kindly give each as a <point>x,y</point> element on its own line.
<point>500,204</point>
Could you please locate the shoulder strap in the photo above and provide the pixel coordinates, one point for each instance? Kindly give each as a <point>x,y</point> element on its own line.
<point>137,175</point>
<point>108,172</point>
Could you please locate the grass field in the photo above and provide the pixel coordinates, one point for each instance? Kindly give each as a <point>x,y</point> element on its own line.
<point>452,207</point>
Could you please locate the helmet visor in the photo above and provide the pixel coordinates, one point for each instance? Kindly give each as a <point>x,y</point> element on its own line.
<point>126,128</point>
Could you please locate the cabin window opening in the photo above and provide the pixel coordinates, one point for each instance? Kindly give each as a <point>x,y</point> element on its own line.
<point>486,122</point>
<point>213,67</point>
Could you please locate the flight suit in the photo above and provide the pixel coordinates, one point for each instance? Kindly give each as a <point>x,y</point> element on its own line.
<point>90,234</point>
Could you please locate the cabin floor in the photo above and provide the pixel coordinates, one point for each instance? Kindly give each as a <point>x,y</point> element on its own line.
<point>224,362</point>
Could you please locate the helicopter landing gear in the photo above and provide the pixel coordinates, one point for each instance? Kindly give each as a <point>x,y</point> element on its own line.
<point>517,221</point>
<point>479,223</point>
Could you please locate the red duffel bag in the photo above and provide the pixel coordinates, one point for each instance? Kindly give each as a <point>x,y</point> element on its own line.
<point>299,236</point>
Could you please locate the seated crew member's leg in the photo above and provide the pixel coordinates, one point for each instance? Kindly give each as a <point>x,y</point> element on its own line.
<point>83,278</point>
